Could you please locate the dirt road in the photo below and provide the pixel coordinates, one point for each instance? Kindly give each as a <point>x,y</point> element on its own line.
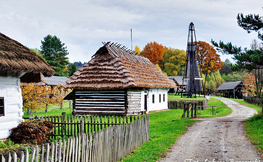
<point>219,139</point>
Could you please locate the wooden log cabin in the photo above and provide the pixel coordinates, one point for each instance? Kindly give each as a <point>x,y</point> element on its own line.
<point>118,82</point>
<point>17,64</point>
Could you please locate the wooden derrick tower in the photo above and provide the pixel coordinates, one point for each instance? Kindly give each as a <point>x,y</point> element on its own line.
<point>191,77</point>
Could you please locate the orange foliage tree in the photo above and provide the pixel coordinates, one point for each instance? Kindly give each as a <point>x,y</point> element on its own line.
<point>37,97</point>
<point>208,59</point>
<point>154,52</point>
<point>249,82</point>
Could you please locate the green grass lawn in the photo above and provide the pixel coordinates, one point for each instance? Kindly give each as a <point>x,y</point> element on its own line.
<point>254,131</point>
<point>163,134</point>
<point>254,126</point>
<point>165,128</point>
<point>241,101</point>
<point>53,110</point>
<point>172,97</point>
<point>221,109</point>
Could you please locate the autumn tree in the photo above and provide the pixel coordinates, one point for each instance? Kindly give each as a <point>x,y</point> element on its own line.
<point>174,61</point>
<point>55,53</point>
<point>154,52</point>
<point>137,50</point>
<point>249,83</point>
<point>208,59</point>
<point>37,96</point>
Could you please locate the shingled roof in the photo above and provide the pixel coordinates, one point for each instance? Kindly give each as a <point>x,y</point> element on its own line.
<point>16,58</point>
<point>113,67</point>
<point>229,85</point>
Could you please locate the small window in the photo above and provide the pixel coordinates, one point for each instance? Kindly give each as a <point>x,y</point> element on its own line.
<point>163,97</point>
<point>160,98</point>
<point>2,106</point>
<point>153,98</point>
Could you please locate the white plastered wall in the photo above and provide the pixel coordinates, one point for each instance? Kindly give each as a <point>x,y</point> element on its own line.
<point>156,105</point>
<point>10,90</point>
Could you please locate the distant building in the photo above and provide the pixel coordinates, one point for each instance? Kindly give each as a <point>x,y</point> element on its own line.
<point>180,85</point>
<point>54,80</point>
<point>231,89</point>
<point>117,82</point>
<point>17,64</point>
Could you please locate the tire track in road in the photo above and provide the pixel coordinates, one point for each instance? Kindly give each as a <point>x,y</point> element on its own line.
<point>216,139</point>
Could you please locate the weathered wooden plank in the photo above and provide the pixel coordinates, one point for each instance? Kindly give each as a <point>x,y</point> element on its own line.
<point>59,151</point>
<point>14,157</point>
<point>27,155</point>
<point>64,150</point>
<point>37,154</point>
<point>42,153</point>
<point>22,157</point>
<point>47,154</point>
<point>52,152</point>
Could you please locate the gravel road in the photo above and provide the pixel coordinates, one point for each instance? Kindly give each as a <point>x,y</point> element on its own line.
<point>219,139</point>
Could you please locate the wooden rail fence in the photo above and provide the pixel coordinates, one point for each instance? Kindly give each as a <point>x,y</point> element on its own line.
<point>180,104</point>
<point>74,125</point>
<point>109,144</point>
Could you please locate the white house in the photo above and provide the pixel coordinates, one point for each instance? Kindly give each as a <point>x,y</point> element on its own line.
<point>17,64</point>
<point>117,82</point>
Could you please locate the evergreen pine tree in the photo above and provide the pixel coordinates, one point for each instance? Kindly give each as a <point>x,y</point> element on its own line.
<point>55,53</point>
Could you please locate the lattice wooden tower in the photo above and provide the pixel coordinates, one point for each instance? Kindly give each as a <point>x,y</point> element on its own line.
<point>191,76</point>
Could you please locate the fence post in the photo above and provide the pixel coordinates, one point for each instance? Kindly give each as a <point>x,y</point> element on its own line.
<point>61,105</point>
<point>70,104</point>
<point>82,125</point>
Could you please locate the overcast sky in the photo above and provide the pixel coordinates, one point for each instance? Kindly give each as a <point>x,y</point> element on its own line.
<point>83,24</point>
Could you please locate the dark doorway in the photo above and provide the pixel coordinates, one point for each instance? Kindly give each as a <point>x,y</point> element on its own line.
<point>145,102</point>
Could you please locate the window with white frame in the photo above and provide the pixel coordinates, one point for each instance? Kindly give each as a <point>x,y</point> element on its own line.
<point>2,107</point>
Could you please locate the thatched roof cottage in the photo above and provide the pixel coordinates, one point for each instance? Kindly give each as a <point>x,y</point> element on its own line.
<point>115,81</point>
<point>17,64</point>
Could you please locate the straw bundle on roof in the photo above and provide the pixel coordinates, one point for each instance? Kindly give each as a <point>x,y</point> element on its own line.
<point>16,58</point>
<point>113,68</point>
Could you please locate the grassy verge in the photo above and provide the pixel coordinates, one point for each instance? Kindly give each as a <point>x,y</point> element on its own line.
<point>254,131</point>
<point>172,97</point>
<point>254,126</point>
<point>163,134</point>
<point>241,101</point>
<point>164,131</point>
<point>221,109</point>
<point>51,112</point>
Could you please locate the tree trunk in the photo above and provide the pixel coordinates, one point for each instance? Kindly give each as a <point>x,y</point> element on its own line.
<point>215,80</point>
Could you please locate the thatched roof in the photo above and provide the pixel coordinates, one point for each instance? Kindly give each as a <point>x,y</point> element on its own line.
<point>113,68</point>
<point>16,58</point>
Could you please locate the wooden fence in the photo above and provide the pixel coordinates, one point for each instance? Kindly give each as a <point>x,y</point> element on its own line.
<point>109,144</point>
<point>180,104</point>
<point>74,125</point>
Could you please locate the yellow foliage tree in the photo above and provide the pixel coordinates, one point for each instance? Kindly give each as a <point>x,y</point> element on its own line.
<point>37,97</point>
<point>250,84</point>
<point>137,50</point>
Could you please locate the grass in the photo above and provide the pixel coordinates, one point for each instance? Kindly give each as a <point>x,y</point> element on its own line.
<point>53,110</point>
<point>172,97</point>
<point>241,101</point>
<point>166,127</point>
<point>254,131</point>
<point>221,109</point>
<point>254,126</point>
<point>163,134</point>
